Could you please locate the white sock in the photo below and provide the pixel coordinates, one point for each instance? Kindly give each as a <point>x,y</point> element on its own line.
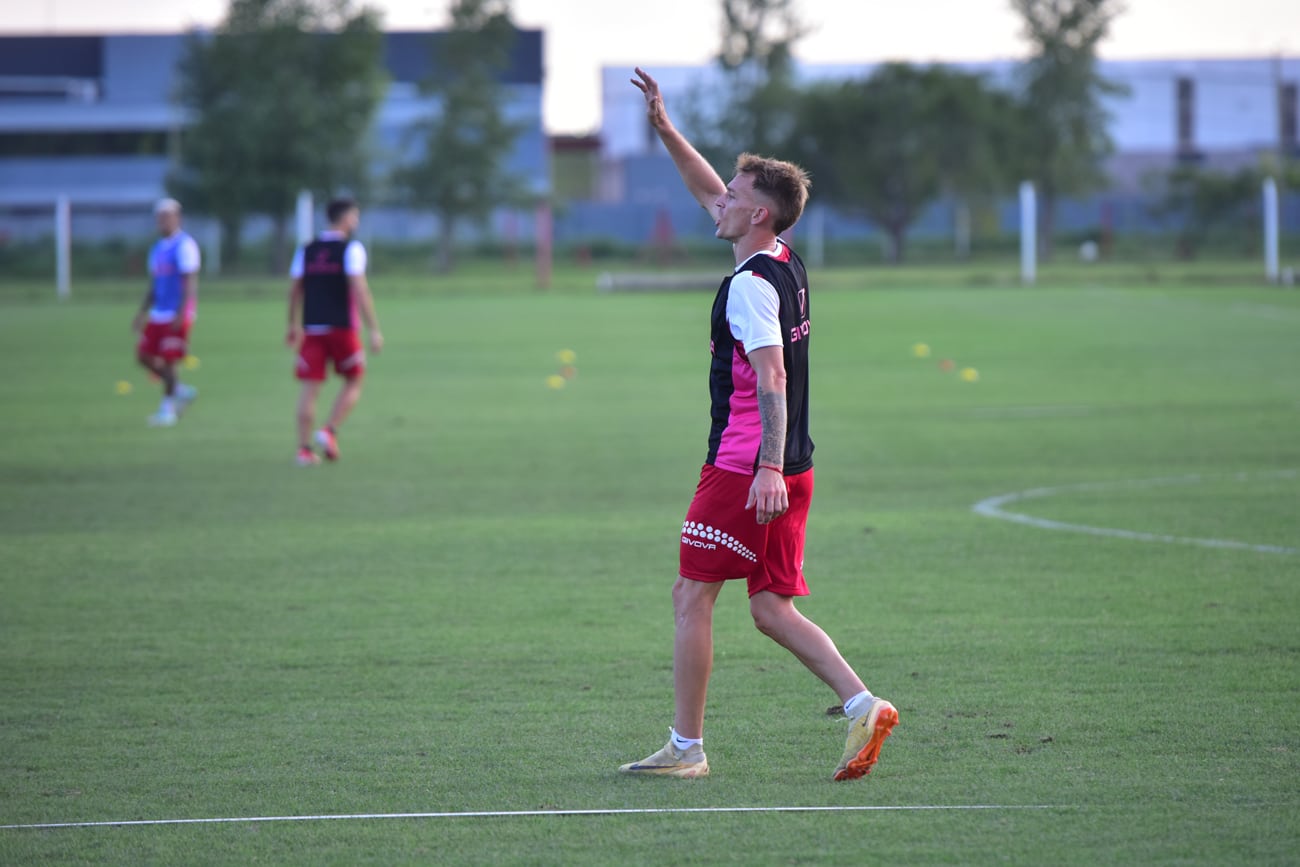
<point>859,704</point>
<point>684,744</point>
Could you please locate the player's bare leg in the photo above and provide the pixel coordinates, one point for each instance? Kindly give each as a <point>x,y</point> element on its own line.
<point>166,371</point>
<point>177,396</point>
<point>349,394</point>
<point>871,718</point>
<point>307,418</point>
<point>778,619</point>
<point>692,652</point>
<point>683,755</point>
<point>169,377</point>
<point>347,398</point>
<point>161,368</point>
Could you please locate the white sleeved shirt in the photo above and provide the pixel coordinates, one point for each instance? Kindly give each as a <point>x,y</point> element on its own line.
<point>753,311</point>
<point>354,257</point>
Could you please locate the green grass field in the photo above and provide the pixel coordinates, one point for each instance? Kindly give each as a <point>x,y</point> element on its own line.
<point>470,611</point>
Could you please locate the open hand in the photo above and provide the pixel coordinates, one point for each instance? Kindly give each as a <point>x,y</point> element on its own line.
<point>654,100</point>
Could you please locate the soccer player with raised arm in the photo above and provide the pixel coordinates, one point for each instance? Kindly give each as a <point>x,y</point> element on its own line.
<point>328,298</point>
<point>168,311</point>
<point>750,508</point>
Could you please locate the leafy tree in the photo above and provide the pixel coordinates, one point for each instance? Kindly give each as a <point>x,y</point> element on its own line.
<point>282,96</point>
<point>978,138</point>
<point>757,60</point>
<point>886,146</point>
<point>461,171</point>
<point>1066,126</point>
<point>1208,202</point>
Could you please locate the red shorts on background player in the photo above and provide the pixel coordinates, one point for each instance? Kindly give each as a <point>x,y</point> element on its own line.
<point>169,341</point>
<point>327,297</point>
<point>338,348</point>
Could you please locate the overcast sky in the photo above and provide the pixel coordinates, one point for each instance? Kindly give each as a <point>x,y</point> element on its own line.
<point>581,36</point>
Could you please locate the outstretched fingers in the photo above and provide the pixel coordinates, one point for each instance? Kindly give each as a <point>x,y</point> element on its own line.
<point>654,101</point>
<point>647,84</point>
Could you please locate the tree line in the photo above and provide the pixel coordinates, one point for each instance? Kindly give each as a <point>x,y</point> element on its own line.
<point>887,145</point>
<point>283,97</point>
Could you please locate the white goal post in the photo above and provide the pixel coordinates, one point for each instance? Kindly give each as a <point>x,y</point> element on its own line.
<point>1271,270</point>
<point>1028,233</point>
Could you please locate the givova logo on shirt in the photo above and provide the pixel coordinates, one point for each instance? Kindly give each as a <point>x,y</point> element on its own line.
<point>804,328</point>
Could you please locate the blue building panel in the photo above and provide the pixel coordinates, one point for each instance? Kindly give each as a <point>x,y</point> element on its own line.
<point>52,56</point>
<point>132,65</point>
<point>409,56</point>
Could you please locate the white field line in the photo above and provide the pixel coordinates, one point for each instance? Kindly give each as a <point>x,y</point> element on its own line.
<point>992,507</point>
<point>514,814</point>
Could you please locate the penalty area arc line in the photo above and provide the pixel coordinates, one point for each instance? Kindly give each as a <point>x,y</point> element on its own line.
<point>992,507</point>
<point>517,814</point>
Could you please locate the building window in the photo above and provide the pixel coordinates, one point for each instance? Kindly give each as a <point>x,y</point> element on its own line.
<point>1288,119</point>
<point>45,88</point>
<point>146,143</point>
<point>1185,118</point>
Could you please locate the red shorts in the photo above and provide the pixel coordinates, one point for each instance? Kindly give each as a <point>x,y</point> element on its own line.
<point>158,340</point>
<point>341,346</point>
<point>722,540</point>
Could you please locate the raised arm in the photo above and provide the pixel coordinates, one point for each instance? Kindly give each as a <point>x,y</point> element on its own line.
<point>700,178</point>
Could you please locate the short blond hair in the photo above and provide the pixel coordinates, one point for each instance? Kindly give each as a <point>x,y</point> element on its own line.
<point>786,184</point>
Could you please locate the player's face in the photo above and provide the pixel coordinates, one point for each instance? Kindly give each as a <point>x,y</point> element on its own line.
<point>351,220</point>
<point>168,222</point>
<point>738,209</point>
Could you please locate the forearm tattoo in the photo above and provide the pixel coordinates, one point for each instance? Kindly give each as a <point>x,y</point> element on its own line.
<point>772,411</point>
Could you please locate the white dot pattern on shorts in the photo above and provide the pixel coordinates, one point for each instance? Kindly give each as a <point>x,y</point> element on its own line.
<point>718,537</point>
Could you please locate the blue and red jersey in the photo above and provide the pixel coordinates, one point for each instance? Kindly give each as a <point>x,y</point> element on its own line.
<point>170,260</point>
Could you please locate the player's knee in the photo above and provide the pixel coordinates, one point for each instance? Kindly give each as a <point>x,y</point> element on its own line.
<point>689,601</point>
<point>769,617</point>
<point>680,596</point>
<point>764,622</point>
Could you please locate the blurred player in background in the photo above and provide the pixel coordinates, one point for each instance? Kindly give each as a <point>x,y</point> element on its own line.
<point>328,295</point>
<point>168,311</point>
<point>750,510</point>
